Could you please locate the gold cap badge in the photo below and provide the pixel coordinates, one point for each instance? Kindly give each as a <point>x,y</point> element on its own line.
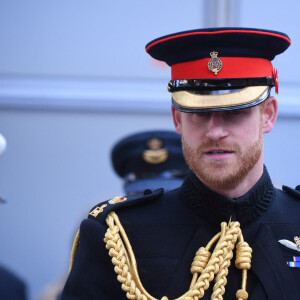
<point>155,154</point>
<point>215,63</point>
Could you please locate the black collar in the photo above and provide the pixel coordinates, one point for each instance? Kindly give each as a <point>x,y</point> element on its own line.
<point>216,208</point>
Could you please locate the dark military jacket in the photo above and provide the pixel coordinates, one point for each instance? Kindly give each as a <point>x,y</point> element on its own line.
<point>166,229</point>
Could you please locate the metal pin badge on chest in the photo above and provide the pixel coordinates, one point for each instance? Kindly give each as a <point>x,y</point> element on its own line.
<point>155,154</point>
<point>214,64</point>
<point>290,244</point>
<point>116,200</point>
<point>297,241</point>
<point>294,246</point>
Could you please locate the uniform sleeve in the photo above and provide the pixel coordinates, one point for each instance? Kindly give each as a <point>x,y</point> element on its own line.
<point>92,275</point>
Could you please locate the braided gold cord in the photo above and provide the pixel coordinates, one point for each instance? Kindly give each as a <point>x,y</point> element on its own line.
<point>121,261</point>
<point>205,267</point>
<point>200,261</point>
<point>221,278</point>
<point>216,261</point>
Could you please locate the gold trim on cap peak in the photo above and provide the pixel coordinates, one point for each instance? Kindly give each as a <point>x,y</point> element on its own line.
<point>246,95</point>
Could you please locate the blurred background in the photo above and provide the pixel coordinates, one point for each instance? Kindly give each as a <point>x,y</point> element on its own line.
<point>74,79</point>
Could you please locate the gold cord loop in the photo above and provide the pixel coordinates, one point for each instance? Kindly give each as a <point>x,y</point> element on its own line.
<point>200,261</point>
<point>243,256</point>
<point>205,267</point>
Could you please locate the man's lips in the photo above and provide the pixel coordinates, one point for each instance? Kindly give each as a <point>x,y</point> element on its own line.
<point>218,151</point>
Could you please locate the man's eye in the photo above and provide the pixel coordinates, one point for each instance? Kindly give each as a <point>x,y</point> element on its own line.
<point>235,111</point>
<point>203,114</point>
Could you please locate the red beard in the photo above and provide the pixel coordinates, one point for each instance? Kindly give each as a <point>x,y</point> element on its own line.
<point>223,174</point>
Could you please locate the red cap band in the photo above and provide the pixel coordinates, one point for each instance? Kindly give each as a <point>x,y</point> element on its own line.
<point>232,67</point>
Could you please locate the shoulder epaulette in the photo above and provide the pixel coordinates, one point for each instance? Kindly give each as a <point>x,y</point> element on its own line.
<point>101,210</point>
<point>293,192</point>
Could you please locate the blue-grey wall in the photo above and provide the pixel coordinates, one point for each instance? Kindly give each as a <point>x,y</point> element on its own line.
<point>75,78</point>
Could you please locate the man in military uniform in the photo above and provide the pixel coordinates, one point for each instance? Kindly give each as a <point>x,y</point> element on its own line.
<point>227,232</point>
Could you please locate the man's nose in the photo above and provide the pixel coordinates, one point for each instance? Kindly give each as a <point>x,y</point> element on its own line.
<point>216,127</point>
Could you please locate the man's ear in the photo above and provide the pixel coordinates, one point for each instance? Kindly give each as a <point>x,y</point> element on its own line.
<point>269,114</point>
<point>177,120</point>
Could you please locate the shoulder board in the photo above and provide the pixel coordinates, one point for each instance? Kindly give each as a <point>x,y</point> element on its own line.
<point>100,211</point>
<point>293,192</point>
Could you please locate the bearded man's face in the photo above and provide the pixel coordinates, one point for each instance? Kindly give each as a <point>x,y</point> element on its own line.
<point>222,148</point>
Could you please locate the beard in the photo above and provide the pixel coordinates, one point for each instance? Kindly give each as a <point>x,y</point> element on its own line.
<point>223,174</point>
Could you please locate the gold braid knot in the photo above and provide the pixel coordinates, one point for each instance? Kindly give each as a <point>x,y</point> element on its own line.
<point>205,267</point>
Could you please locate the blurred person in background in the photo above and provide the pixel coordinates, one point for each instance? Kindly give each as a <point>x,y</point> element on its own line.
<point>146,159</point>
<point>149,159</point>
<point>11,286</point>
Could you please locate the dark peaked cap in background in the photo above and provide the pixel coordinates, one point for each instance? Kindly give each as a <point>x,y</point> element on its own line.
<point>220,68</point>
<point>150,159</point>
